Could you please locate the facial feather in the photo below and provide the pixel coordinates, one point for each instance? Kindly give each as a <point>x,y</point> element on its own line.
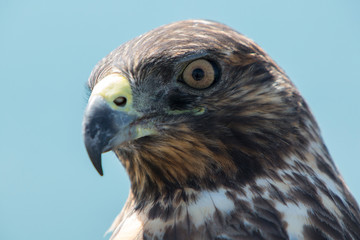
<point>250,165</point>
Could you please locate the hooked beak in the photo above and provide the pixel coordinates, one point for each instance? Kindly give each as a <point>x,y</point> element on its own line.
<point>108,117</point>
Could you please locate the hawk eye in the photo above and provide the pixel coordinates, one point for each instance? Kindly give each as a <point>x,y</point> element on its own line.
<point>199,74</point>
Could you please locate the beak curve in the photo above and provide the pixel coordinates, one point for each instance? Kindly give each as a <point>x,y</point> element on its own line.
<point>104,128</point>
<point>106,123</point>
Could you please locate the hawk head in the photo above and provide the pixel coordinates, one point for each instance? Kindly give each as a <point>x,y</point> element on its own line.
<point>196,105</point>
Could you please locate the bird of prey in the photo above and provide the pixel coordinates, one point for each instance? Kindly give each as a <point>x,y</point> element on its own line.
<point>217,141</point>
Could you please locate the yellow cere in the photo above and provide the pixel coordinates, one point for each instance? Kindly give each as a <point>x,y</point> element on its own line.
<point>112,87</point>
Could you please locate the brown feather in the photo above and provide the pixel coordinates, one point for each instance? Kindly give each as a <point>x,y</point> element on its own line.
<point>256,147</point>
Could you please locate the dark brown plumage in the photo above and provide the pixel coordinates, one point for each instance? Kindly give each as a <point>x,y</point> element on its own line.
<point>241,158</point>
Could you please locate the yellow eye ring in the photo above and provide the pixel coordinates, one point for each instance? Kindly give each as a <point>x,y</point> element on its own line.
<point>199,74</point>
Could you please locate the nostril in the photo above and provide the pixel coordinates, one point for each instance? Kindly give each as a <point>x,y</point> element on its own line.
<point>120,101</point>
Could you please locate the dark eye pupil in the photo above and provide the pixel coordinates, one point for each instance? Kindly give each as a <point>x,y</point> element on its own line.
<point>198,74</point>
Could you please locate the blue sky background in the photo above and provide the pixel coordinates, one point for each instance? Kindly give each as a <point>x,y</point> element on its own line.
<point>48,186</point>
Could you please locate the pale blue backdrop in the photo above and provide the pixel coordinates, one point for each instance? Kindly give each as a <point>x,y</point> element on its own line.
<point>48,187</point>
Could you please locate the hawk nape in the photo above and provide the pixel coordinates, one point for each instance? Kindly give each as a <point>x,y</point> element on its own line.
<point>217,141</point>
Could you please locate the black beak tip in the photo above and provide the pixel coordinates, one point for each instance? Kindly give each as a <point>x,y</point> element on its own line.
<point>95,157</point>
<point>99,169</point>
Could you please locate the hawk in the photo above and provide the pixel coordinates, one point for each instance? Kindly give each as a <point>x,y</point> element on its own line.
<point>217,141</point>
